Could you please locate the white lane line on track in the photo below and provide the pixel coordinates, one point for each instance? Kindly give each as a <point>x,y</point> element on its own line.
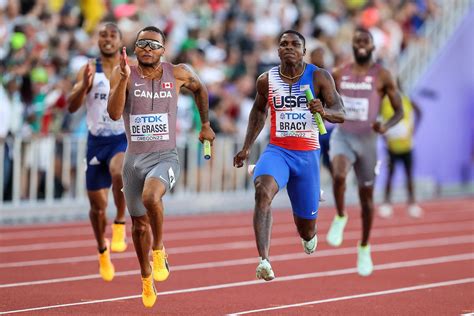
<point>426,243</point>
<point>200,234</point>
<point>388,266</point>
<point>184,220</point>
<point>85,230</point>
<point>350,235</point>
<point>357,296</point>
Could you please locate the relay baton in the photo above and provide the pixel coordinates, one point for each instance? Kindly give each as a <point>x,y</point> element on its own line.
<point>207,149</point>
<point>317,116</point>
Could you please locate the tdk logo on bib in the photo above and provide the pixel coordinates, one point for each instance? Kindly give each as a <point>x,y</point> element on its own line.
<point>148,119</point>
<point>290,101</point>
<point>293,116</point>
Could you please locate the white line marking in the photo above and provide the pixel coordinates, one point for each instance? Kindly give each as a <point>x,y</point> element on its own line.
<point>56,230</point>
<point>226,232</point>
<point>393,265</point>
<point>351,297</point>
<point>442,206</point>
<point>350,235</point>
<point>290,256</point>
<point>84,230</point>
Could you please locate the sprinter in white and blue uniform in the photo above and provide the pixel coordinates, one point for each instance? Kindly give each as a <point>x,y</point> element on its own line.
<point>106,145</point>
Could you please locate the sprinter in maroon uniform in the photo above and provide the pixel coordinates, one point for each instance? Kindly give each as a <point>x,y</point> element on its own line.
<point>362,85</point>
<point>146,95</point>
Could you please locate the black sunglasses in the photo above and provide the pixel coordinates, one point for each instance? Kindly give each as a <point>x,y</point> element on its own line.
<point>147,42</point>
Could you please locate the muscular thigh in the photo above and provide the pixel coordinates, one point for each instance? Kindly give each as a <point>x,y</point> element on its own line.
<point>97,171</point>
<point>365,166</point>
<point>133,181</point>
<point>304,184</point>
<point>340,145</point>
<point>272,163</point>
<point>167,170</point>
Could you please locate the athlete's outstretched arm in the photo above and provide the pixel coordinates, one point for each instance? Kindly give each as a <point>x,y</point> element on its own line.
<point>80,89</point>
<point>390,89</point>
<point>118,88</point>
<point>257,118</point>
<point>186,77</point>
<point>325,89</point>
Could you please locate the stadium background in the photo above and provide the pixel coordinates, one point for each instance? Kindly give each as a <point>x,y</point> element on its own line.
<point>426,43</point>
<point>48,259</point>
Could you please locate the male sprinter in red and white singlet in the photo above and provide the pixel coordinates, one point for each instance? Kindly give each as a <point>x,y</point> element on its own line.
<point>292,157</point>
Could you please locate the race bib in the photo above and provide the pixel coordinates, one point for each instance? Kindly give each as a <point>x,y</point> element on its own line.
<point>295,124</point>
<point>357,109</point>
<point>149,127</point>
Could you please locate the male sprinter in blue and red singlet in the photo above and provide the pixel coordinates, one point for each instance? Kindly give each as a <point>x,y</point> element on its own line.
<point>106,144</point>
<point>292,157</point>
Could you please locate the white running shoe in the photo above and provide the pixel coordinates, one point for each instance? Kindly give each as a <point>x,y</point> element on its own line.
<point>364,261</point>
<point>264,270</point>
<point>385,210</point>
<point>415,211</point>
<point>310,246</point>
<point>336,232</point>
<point>250,169</point>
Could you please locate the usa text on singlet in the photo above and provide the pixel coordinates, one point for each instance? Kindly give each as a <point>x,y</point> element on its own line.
<point>150,112</point>
<point>292,124</point>
<point>361,99</point>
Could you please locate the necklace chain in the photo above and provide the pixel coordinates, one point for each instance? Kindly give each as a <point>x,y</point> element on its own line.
<point>147,76</point>
<point>294,77</point>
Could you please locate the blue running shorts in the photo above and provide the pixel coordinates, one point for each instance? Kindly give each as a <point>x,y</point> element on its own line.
<point>100,150</point>
<point>298,170</point>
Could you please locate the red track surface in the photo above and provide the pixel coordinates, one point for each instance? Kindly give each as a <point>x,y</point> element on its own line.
<point>422,267</point>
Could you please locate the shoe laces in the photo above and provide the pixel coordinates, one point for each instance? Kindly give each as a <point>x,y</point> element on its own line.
<point>364,251</point>
<point>118,233</point>
<point>310,244</point>
<point>148,288</point>
<point>159,259</point>
<point>265,265</point>
<point>104,261</point>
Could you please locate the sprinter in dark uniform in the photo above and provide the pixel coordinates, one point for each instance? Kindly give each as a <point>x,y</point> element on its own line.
<point>146,95</point>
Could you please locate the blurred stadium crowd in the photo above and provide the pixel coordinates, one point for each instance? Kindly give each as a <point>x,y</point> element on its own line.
<point>43,43</point>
